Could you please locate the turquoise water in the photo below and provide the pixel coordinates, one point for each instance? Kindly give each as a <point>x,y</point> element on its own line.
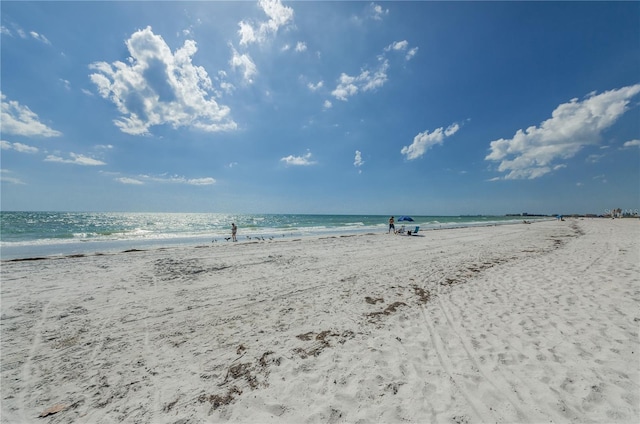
<point>31,234</point>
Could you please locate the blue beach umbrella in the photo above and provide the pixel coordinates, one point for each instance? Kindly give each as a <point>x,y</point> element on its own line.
<point>405,218</point>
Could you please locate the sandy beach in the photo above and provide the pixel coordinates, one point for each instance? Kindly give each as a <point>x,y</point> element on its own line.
<point>514,323</point>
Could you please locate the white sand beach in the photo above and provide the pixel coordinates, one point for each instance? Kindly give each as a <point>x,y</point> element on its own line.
<point>509,324</point>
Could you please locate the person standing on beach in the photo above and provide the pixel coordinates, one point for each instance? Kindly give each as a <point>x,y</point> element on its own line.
<point>391,226</point>
<point>234,230</point>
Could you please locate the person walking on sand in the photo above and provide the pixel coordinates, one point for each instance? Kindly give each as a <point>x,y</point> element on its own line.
<point>391,226</point>
<point>234,230</point>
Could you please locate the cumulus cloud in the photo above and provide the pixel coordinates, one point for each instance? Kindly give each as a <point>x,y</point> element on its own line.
<point>402,46</point>
<point>357,161</point>
<point>20,120</point>
<point>397,45</point>
<point>411,53</point>
<point>631,143</point>
<point>245,64</point>
<point>315,87</point>
<point>304,160</point>
<point>350,85</point>
<point>158,87</point>
<point>425,140</point>
<point>534,152</point>
<point>258,32</point>
<point>75,159</point>
<point>301,46</point>
<point>377,12</point>
<point>18,147</point>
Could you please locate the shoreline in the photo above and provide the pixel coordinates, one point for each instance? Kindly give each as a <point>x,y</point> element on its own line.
<point>164,235</point>
<point>502,323</point>
<point>143,245</point>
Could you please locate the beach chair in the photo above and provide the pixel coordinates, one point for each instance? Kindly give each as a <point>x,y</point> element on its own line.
<point>414,232</point>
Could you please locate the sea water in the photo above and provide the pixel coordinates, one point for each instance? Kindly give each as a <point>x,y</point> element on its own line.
<point>36,234</point>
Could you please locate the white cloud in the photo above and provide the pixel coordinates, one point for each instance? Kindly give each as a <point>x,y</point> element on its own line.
<point>75,159</point>
<point>377,11</point>
<point>65,83</point>
<point>451,130</point>
<point>225,86</point>
<point>304,160</point>
<point>20,120</point>
<point>411,53</point>
<point>349,85</point>
<point>403,45</point>
<point>315,87</point>
<point>159,87</point>
<point>177,179</point>
<point>5,178</point>
<point>23,148</point>
<point>631,143</point>
<point>201,181</point>
<point>24,34</point>
<point>397,45</point>
<point>244,62</point>
<point>327,104</point>
<point>425,140</point>
<point>18,147</point>
<point>131,181</point>
<point>357,161</point>
<point>247,33</point>
<point>531,153</point>
<point>346,87</point>
<point>259,32</point>
<point>39,37</point>
<point>301,46</point>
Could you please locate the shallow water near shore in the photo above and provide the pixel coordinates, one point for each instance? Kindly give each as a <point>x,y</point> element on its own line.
<point>34,234</point>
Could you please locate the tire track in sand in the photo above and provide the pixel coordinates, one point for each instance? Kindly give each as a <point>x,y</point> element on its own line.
<point>522,402</point>
<point>26,368</point>
<point>488,376</point>
<point>480,410</point>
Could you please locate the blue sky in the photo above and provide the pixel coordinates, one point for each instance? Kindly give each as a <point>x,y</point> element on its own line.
<point>428,108</point>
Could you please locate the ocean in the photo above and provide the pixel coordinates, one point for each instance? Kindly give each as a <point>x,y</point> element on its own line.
<point>38,234</point>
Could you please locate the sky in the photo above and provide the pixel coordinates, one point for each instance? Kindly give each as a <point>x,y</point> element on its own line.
<point>354,107</point>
